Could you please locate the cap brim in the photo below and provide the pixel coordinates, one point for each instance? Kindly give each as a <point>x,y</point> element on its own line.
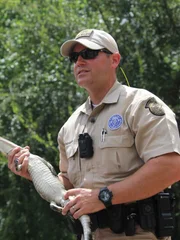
<point>68,46</point>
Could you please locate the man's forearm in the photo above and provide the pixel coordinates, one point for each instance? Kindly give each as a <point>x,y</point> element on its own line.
<point>156,175</point>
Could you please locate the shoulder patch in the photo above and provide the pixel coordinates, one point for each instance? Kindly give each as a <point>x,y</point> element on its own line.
<point>155,107</point>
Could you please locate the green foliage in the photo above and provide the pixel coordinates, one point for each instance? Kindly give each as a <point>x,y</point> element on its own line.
<point>24,215</point>
<point>38,92</point>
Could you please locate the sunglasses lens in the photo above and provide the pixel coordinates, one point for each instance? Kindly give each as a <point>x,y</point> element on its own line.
<point>89,54</point>
<point>74,56</point>
<point>85,54</point>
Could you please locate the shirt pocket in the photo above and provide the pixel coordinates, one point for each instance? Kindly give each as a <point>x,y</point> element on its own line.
<point>116,155</point>
<point>121,141</point>
<point>73,162</point>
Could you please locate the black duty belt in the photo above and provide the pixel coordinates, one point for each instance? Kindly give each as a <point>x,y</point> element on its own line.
<point>109,218</point>
<point>154,214</point>
<point>99,220</point>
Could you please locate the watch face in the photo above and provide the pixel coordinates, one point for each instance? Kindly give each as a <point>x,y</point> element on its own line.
<point>105,196</point>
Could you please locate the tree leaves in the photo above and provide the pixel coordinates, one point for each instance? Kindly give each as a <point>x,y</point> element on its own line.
<point>38,91</point>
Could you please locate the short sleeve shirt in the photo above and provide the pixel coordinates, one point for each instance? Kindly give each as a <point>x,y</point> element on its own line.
<point>129,127</point>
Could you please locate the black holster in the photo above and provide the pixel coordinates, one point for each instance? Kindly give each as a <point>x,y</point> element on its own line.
<point>157,214</point>
<point>165,224</point>
<point>130,219</point>
<point>111,217</point>
<point>116,219</point>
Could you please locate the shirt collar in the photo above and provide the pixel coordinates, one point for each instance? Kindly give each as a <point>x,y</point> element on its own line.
<point>111,97</point>
<point>113,94</point>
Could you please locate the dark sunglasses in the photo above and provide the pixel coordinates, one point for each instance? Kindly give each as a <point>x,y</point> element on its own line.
<point>86,54</point>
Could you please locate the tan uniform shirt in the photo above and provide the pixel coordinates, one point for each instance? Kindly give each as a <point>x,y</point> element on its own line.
<point>135,127</point>
<point>129,127</point>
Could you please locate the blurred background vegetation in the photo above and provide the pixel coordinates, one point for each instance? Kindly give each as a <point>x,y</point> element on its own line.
<point>38,92</point>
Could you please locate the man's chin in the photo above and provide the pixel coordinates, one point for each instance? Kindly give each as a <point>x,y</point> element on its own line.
<point>83,83</point>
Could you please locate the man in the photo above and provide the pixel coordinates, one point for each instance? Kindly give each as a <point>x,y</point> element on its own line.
<point>121,146</point>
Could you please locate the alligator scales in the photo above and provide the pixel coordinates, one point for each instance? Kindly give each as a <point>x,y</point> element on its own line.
<point>47,183</point>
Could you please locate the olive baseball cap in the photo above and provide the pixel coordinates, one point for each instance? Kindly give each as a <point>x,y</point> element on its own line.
<point>90,38</point>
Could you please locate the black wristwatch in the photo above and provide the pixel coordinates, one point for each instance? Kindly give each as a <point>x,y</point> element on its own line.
<point>105,196</point>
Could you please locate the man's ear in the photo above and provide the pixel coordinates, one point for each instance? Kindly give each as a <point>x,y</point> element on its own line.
<point>116,57</point>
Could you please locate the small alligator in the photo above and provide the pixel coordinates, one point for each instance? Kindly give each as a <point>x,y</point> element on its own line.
<point>46,183</point>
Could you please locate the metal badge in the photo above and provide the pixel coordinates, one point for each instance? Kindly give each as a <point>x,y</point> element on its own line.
<point>84,33</point>
<point>115,121</point>
<point>155,107</point>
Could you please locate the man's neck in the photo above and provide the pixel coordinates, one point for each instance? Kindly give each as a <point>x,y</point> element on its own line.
<point>97,95</point>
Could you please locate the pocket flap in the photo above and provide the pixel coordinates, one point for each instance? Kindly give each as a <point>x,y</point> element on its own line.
<point>71,149</point>
<point>117,141</point>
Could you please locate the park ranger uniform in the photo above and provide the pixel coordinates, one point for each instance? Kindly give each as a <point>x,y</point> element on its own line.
<point>129,127</point>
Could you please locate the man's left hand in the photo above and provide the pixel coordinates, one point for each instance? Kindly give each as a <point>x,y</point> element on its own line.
<point>82,201</point>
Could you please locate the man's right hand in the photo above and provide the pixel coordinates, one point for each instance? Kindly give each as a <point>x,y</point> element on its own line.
<point>18,156</point>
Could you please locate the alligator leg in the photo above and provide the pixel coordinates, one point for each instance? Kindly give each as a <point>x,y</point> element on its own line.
<point>55,207</point>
